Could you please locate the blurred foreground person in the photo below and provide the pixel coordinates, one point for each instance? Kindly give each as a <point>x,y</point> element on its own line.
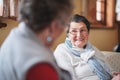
<point>25,54</point>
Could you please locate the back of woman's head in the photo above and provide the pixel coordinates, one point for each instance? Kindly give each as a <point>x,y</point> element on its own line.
<point>78,18</point>
<point>38,14</point>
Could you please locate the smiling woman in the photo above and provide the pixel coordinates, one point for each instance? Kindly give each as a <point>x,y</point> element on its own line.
<point>77,30</point>
<point>83,60</point>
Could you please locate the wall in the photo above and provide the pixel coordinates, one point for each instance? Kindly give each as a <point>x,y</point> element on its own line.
<point>104,39</point>
<point>5,31</point>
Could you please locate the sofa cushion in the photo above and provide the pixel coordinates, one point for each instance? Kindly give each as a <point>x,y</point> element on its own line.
<point>113,60</point>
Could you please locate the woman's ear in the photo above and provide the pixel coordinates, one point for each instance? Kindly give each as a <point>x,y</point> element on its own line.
<point>52,27</point>
<point>55,29</point>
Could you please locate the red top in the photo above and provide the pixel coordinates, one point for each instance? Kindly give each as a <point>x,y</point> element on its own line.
<point>43,71</point>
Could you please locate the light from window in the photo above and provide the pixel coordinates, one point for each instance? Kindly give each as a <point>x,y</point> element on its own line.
<point>100,10</point>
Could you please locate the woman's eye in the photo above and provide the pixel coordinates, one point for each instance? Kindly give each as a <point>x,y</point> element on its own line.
<point>82,30</point>
<point>74,31</point>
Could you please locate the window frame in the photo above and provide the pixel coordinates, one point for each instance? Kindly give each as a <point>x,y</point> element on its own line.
<point>108,19</point>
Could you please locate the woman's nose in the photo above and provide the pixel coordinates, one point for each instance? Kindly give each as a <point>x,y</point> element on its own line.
<point>78,33</point>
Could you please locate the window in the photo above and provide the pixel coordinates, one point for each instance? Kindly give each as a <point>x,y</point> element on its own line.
<point>100,13</point>
<point>8,8</point>
<point>100,10</point>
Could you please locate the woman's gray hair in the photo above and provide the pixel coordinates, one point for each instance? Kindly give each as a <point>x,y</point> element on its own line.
<point>38,14</point>
<point>78,18</point>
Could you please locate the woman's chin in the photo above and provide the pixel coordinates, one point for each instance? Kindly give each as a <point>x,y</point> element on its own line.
<point>80,45</point>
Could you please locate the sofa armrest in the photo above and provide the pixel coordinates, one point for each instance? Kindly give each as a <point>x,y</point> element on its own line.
<point>113,60</point>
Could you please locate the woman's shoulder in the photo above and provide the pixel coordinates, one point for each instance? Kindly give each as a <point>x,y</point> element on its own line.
<point>61,50</point>
<point>61,46</point>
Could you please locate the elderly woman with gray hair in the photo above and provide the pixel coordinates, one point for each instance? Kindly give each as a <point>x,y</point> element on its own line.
<point>77,55</point>
<point>26,54</point>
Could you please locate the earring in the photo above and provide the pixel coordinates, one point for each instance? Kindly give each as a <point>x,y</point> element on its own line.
<point>49,39</point>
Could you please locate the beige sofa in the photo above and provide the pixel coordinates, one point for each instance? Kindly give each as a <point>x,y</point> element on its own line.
<point>113,59</point>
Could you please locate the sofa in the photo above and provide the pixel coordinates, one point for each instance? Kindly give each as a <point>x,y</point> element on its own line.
<point>113,60</point>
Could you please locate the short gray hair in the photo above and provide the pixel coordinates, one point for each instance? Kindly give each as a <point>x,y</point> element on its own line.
<point>40,13</point>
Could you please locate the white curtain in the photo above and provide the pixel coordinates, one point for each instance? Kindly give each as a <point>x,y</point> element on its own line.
<point>1,7</point>
<point>13,8</point>
<point>8,8</point>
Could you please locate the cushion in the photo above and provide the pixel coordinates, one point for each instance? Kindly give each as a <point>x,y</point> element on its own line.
<point>113,60</point>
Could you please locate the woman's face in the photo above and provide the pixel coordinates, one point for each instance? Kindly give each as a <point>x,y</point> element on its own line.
<point>78,34</point>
